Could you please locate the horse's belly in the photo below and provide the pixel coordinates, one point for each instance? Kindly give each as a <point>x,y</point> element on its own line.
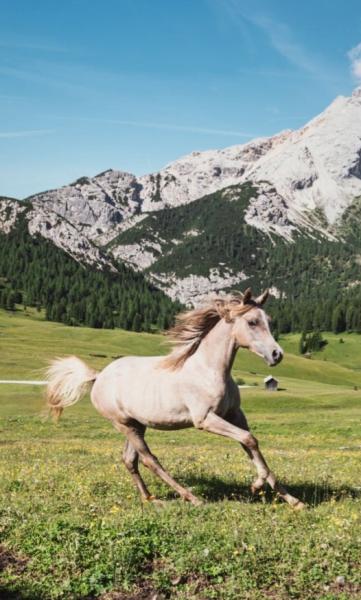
<point>159,412</point>
<point>171,427</point>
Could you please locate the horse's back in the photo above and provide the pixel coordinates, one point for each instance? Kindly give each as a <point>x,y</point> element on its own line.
<point>128,371</point>
<point>136,387</point>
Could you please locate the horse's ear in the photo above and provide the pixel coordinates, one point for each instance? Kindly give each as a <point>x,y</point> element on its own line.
<point>262,298</point>
<point>219,304</point>
<point>223,310</point>
<point>247,296</point>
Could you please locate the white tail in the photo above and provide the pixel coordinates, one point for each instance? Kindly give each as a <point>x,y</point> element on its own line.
<point>68,380</point>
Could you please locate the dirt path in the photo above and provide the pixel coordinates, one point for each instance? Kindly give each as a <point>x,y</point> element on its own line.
<point>26,382</point>
<point>22,382</point>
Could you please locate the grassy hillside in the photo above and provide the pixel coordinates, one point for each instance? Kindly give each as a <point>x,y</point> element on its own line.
<point>28,342</point>
<point>71,524</point>
<point>343,349</point>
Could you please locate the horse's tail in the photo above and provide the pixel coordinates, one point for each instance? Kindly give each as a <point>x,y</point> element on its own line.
<point>68,380</point>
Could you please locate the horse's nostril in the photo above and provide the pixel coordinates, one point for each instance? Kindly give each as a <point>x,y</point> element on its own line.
<point>275,354</point>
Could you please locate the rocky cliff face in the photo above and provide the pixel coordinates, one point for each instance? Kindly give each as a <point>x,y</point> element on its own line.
<point>303,181</point>
<point>315,167</point>
<point>10,211</point>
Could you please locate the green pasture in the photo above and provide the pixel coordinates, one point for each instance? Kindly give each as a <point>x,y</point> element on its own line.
<point>71,523</point>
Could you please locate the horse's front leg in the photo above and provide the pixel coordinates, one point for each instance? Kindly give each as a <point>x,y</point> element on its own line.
<point>238,418</point>
<point>235,426</point>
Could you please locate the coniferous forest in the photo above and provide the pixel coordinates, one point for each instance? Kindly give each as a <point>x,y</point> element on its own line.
<point>36,273</point>
<point>319,280</point>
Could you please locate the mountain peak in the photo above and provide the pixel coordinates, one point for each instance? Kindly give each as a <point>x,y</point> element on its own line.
<point>300,179</point>
<point>357,93</point>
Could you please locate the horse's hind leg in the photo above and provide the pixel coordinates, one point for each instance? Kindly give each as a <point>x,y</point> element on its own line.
<point>151,462</point>
<point>131,460</point>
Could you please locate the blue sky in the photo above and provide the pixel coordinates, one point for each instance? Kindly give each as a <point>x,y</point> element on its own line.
<point>134,84</point>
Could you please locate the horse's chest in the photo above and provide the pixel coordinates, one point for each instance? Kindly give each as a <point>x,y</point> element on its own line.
<point>220,402</point>
<point>223,400</point>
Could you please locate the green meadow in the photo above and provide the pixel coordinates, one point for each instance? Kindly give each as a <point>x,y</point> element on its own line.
<point>72,525</point>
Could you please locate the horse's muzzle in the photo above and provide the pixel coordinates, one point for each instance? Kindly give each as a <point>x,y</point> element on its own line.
<point>277,356</point>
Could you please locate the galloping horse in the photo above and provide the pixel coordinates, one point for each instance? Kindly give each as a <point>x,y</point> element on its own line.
<point>190,387</point>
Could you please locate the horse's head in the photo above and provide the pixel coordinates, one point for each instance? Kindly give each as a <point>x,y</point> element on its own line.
<point>251,328</point>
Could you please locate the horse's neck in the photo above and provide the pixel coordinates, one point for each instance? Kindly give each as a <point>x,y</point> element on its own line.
<point>218,349</point>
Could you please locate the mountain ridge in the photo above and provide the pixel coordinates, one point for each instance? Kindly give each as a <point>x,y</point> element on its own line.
<point>302,182</point>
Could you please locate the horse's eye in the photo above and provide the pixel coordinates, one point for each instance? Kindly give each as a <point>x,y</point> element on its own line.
<point>253,323</point>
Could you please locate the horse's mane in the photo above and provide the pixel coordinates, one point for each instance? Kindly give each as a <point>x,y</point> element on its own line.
<point>192,326</point>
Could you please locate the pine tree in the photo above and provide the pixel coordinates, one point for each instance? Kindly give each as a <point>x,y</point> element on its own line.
<point>338,319</point>
<point>302,345</point>
<point>137,322</point>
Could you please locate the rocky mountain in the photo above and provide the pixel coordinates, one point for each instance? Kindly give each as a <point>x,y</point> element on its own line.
<point>208,220</point>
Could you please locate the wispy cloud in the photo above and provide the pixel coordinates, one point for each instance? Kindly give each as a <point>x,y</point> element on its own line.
<point>38,74</point>
<point>272,72</point>
<point>162,126</point>
<point>281,39</point>
<point>26,133</point>
<point>355,57</point>
<point>185,128</point>
<point>18,43</point>
<point>167,127</point>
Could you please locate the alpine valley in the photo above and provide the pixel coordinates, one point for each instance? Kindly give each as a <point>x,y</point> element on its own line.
<point>282,212</point>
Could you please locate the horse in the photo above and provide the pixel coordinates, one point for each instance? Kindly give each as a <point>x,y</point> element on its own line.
<point>190,387</point>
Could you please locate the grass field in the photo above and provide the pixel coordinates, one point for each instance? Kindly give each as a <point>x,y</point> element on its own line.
<point>72,526</point>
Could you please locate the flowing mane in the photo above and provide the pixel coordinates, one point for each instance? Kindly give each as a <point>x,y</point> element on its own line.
<point>192,326</point>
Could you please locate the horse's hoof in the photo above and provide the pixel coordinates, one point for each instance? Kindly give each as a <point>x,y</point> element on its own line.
<point>197,502</point>
<point>299,505</point>
<point>255,489</point>
<point>193,500</point>
<point>155,501</point>
<point>149,498</point>
<point>159,503</point>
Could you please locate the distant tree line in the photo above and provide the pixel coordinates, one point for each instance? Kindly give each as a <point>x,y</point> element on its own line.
<point>311,342</point>
<point>36,273</point>
<point>336,313</point>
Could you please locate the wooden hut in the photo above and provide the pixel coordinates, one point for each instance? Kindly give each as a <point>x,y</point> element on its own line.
<point>270,383</point>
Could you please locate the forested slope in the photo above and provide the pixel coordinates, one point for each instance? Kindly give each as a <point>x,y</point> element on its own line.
<point>318,280</point>
<point>35,272</point>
